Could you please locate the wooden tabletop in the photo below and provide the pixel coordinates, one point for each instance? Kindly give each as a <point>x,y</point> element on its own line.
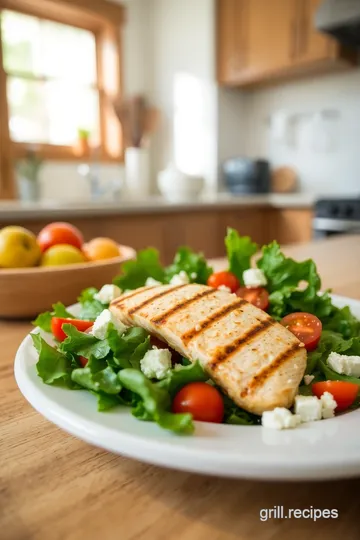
<point>55,487</point>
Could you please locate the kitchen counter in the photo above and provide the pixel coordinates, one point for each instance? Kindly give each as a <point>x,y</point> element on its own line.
<point>10,211</point>
<point>54,486</point>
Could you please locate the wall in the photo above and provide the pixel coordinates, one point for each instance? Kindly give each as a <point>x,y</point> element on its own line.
<point>184,86</point>
<point>334,168</point>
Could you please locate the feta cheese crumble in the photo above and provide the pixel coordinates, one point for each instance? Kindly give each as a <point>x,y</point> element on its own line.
<point>308,379</point>
<point>224,288</point>
<point>280,418</point>
<point>151,282</point>
<point>309,408</point>
<point>107,293</point>
<point>346,365</point>
<point>193,275</point>
<point>180,279</point>
<point>156,363</point>
<point>101,325</point>
<point>328,404</point>
<point>254,277</point>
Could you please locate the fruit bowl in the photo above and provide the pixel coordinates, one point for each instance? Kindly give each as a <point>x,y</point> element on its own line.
<point>25,292</point>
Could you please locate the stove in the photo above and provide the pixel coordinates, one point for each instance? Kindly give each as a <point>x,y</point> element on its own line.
<point>336,216</point>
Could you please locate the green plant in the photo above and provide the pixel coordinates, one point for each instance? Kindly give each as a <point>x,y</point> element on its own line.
<point>29,167</point>
<point>83,134</point>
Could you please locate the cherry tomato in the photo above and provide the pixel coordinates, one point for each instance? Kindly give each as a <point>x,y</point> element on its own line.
<point>57,323</point>
<point>203,401</point>
<point>305,326</point>
<point>258,296</point>
<point>59,233</point>
<point>344,392</point>
<point>227,279</point>
<point>83,361</point>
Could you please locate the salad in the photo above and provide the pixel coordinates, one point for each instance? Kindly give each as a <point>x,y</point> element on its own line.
<point>128,366</point>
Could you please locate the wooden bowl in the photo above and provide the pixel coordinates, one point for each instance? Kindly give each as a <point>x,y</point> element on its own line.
<point>25,292</point>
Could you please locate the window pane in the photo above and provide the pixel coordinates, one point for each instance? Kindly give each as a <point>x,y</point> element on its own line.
<point>28,116</point>
<point>71,107</point>
<point>21,43</point>
<point>48,49</point>
<point>51,112</point>
<point>68,53</point>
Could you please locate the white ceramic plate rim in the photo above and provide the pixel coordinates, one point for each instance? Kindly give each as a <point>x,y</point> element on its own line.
<point>327,449</point>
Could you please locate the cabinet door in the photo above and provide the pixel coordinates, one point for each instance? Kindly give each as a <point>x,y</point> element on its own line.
<point>271,36</point>
<point>231,25</point>
<point>311,44</point>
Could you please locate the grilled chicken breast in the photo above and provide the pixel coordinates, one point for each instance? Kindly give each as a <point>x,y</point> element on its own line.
<point>256,360</point>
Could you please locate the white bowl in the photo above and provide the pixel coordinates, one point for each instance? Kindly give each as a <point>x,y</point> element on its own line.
<point>177,186</point>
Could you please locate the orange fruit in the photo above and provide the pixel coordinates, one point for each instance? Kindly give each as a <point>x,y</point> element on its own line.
<point>99,249</point>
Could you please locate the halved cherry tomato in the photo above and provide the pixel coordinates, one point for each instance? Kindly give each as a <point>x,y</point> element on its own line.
<point>83,361</point>
<point>258,296</point>
<point>227,279</point>
<point>203,401</point>
<point>57,323</point>
<point>344,392</point>
<point>306,327</point>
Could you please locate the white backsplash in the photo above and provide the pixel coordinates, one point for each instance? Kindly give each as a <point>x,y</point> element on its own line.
<point>327,163</point>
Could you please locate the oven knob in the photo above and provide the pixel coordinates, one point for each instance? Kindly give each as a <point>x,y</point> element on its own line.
<point>349,211</point>
<point>334,210</point>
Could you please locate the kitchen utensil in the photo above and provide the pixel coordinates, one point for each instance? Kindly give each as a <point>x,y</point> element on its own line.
<point>25,292</point>
<point>247,176</point>
<point>283,180</point>
<point>177,186</point>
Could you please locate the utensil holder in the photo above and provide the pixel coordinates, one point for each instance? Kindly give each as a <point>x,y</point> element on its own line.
<point>137,172</point>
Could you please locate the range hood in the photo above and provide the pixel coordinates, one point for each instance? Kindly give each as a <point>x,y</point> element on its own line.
<point>341,19</point>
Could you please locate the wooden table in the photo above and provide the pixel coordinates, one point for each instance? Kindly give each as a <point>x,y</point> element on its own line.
<point>54,487</point>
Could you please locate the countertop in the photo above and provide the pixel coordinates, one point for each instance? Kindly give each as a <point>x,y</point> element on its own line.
<point>13,210</point>
<point>55,487</point>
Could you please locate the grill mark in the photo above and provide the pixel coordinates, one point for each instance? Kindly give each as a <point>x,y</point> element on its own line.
<point>260,379</point>
<point>212,319</point>
<point>224,353</point>
<point>119,301</point>
<point>155,297</point>
<point>161,319</point>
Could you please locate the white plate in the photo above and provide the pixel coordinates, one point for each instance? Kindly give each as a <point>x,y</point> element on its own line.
<point>318,450</point>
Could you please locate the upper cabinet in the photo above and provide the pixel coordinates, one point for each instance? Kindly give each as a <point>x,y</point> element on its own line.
<point>260,40</point>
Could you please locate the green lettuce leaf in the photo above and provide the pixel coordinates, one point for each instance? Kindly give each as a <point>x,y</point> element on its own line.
<point>344,322</point>
<point>237,416</point>
<point>135,273</point>
<point>83,344</point>
<point>129,348</point>
<point>285,278</point>
<point>43,320</point>
<point>53,366</point>
<point>105,402</point>
<point>331,341</point>
<point>186,260</point>
<point>332,375</point>
<point>182,375</point>
<point>240,250</point>
<point>155,402</point>
<point>104,380</point>
<point>90,307</point>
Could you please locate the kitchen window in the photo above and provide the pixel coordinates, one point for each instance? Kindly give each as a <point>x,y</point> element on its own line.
<point>59,70</point>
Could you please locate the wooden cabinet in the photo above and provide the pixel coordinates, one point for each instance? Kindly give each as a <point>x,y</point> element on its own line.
<point>269,38</point>
<point>202,230</point>
<point>261,40</point>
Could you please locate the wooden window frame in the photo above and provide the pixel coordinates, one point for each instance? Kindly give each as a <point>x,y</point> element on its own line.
<point>104,20</point>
